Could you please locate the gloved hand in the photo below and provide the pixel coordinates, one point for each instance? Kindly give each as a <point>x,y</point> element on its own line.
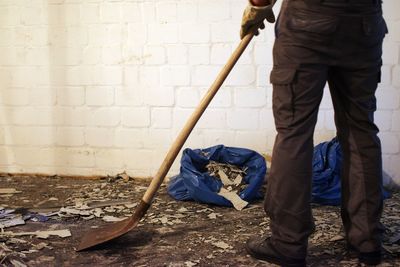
<point>255,15</point>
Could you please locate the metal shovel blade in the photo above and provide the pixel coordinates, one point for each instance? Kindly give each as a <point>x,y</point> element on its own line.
<point>106,233</point>
<point>101,235</point>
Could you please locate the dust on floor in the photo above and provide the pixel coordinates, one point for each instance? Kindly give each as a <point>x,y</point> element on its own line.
<point>171,234</point>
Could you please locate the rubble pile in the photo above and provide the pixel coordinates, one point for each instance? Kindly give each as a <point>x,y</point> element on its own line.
<point>230,175</point>
<point>232,178</point>
<point>58,211</point>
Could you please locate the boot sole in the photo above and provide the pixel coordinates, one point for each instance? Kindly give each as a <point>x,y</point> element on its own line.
<point>274,260</point>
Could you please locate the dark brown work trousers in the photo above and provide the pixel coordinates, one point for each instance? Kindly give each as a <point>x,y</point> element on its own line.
<point>342,45</point>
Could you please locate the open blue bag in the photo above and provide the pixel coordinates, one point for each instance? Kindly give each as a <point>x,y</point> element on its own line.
<point>327,163</point>
<point>194,183</point>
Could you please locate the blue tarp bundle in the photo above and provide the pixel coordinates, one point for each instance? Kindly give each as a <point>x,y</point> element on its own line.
<point>194,183</point>
<point>327,163</point>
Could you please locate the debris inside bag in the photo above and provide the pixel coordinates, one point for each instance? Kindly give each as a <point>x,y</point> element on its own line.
<point>204,171</point>
<point>231,176</point>
<point>232,180</point>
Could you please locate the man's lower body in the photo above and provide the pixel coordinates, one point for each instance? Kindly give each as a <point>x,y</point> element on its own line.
<point>316,44</point>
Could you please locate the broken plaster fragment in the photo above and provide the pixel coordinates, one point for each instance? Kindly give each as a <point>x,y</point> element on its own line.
<point>86,218</point>
<point>46,234</point>
<point>122,195</point>
<point>164,220</point>
<point>224,178</point>
<point>236,201</point>
<point>337,238</point>
<point>97,212</point>
<point>41,246</point>
<point>221,244</point>
<point>17,263</point>
<point>204,210</point>
<point>109,209</point>
<point>131,205</point>
<point>190,263</point>
<point>13,240</point>
<point>40,234</point>
<point>212,215</point>
<point>72,211</point>
<point>113,219</point>
<point>183,209</point>
<point>11,222</point>
<point>177,221</point>
<point>124,176</point>
<point>9,191</point>
<point>238,180</point>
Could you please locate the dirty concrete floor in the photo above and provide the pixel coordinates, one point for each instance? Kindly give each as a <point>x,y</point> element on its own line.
<point>172,233</point>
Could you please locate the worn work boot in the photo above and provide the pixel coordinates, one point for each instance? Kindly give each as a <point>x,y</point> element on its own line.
<point>262,249</point>
<point>368,258</point>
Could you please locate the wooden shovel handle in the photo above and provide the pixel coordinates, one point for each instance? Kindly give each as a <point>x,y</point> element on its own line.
<point>187,129</point>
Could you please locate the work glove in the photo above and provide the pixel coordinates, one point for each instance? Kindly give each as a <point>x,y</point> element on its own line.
<point>255,15</point>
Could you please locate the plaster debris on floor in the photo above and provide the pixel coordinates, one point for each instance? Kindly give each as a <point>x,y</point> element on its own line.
<point>57,211</point>
<point>38,234</point>
<point>8,191</point>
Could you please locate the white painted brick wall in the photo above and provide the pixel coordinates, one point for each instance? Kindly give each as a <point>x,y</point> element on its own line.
<point>383,119</point>
<point>199,54</point>
<point>187,97</point>
<point>221,100</point>
<point>99,87</point>
<point>135,117</point>
<point>161,118</point>
<point>70,136</point>
<point>129,138</point>
<point>243,118</point>
<point>250,97</point>
<point>99,137</point>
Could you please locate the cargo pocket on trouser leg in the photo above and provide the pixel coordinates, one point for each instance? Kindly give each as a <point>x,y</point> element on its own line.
<point>374,30</point>
<point>283,81</point>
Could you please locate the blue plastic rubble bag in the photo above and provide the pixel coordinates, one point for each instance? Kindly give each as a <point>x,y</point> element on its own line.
<point>327,164</point>
<point>194,183</point>
<point>327,161</point>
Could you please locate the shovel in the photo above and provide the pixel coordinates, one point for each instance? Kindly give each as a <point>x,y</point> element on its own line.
<point>114,230</point>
